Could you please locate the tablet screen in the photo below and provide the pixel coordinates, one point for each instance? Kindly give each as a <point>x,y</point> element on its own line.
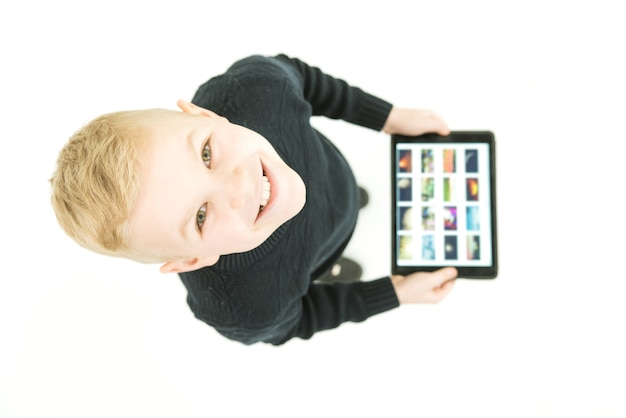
<point>444,203</point>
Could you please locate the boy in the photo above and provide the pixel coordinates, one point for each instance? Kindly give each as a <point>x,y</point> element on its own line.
<point>241,197</point>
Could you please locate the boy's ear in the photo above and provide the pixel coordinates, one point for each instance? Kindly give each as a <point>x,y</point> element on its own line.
<point>189,107</point>
<point>182,266</point>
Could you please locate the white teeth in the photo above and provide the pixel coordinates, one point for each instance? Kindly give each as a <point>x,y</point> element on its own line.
<point>265,195</point>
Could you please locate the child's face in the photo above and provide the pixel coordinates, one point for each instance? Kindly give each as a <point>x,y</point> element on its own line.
<point>204,182</point>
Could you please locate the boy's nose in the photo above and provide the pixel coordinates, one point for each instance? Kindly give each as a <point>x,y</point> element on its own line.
<point>238,188</point>
<point>238,202</point>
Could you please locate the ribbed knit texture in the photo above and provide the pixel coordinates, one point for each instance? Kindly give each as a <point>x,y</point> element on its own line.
<point>267,294</point>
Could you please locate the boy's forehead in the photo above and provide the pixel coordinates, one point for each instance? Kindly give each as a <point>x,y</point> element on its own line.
<point>168,123</point>
<point>170,141</point>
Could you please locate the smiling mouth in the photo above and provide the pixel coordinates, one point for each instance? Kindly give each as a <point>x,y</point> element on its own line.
<point>266,193</point>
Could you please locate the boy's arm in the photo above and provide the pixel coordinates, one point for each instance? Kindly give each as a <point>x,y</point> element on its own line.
<point>328,306</point>
<point>336,99</point>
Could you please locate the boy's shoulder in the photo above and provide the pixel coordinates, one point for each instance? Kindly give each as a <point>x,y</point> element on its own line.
<point>251,89</point>
<point>277,66</point>
<point>252,75</point>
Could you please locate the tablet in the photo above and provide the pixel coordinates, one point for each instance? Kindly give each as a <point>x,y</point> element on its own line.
<point>444,203</point>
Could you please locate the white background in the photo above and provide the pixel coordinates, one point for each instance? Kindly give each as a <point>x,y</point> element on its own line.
<point>86,336</point>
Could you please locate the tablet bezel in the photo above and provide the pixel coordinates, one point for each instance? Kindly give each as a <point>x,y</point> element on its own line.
<point>469,272</point>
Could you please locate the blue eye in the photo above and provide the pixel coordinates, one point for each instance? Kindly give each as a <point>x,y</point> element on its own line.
<point>201,217</point>
<point>206,154</point>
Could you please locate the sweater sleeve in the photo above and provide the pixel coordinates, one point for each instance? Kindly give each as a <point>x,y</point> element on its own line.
<point>328,306</point>
<point>336,99</point>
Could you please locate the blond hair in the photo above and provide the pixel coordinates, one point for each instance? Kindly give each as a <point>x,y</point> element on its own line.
<point>97,181</point>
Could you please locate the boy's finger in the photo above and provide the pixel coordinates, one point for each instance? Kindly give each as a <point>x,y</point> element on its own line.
<point>444,130</point>
<point>444,275</point>
<point>442,127</point>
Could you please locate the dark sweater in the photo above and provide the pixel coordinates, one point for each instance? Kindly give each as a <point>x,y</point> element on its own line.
<point>267,294</point>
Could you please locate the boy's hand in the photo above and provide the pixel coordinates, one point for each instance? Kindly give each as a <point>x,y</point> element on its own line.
<point>424,287</point>
<point>414,122</point>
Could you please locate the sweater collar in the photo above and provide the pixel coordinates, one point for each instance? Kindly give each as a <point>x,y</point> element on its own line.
<point>245,259</point>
